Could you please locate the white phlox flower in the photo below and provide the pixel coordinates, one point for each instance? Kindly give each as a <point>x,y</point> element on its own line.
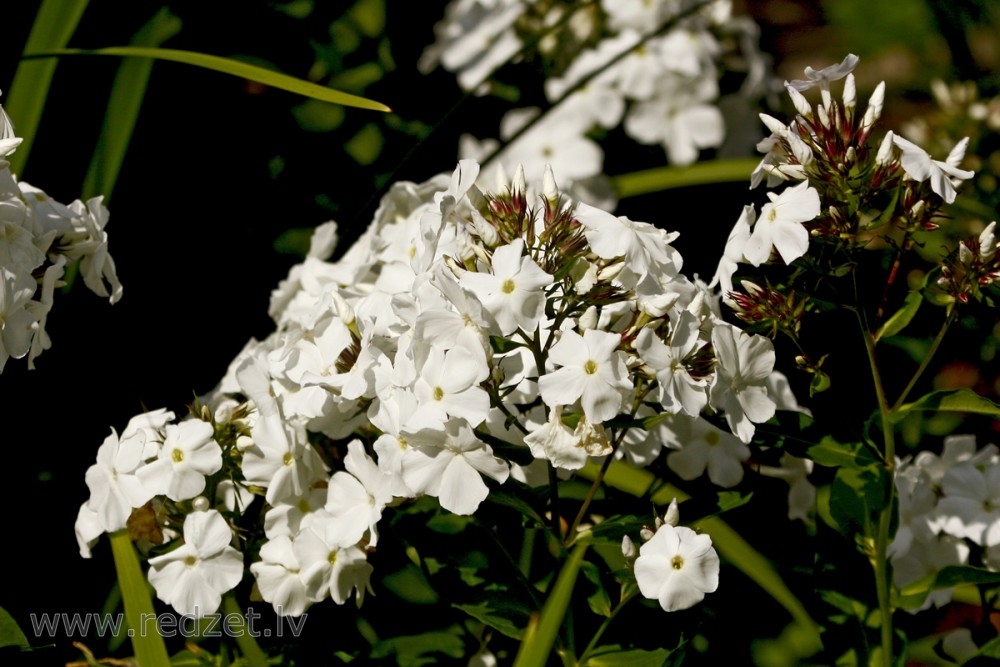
<point>780,225</point>
<point>705,447</point>
<point>447,464</point>
<point>189,452</point>
<point>279,577</point>
<point>592,371</point>
<point>943,176</point>
<point>329,569</point>
<point>677,567</point>
<point>743,363</point>
<point>555,442</point>
<point>732,255</point>
<point>193,577</point>
<point>679,391</point>
<point>644,247</point>
<point>448,385</point>
<point>115,489</point>
<point>356,498</point>
<point>513,294</point>
<point>281,460</point>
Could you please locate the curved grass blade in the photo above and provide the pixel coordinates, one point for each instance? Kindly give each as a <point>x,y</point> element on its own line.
<point>124,103</point>
<point>727,541</point>
<point>541,632</point>
<point>665,178</point>
<point>150,650</point>
<point>54,24</point>
<point>227,66</point>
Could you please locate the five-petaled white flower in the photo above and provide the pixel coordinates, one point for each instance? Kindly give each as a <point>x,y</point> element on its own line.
<point>193,577</point>
<point>513,293</point>
<point>677,567</point>
<point>188,453</point>
<point>920,166</point>
<point>593,372</point>
<point>780,225</point>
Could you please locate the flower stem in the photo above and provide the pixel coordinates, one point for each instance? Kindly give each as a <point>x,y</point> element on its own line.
<point>604,626</point>
<point>948,321</point>
<point>880,559</point>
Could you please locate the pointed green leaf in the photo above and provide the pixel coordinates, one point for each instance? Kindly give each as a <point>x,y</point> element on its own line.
<point>630,658</point>
<point>150,650</point>
<point>54,24</point>
<point>902,317</point>
<point>949,400</point>
<point>127,93</point>
<point>542,630</point>
<point>227,66</point>
<point>10,632</point>
<point>666,178</point>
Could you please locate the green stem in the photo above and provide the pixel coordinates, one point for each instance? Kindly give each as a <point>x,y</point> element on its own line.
<point>949,320</point>
<point>880,559</point>
<point>604,626</point>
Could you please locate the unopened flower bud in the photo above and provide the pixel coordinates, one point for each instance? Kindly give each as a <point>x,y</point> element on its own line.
<point>673,515</point>
<point>773,124</point>
<point>964,254</point>
<point>517,185</point>
<point>646,534</point>
<point>799,101</point>
<point>611,272</point>
<point>850,92</point>
<point>549,189</point>
<point>874,110</point>
<point>886,152</point>
<point>823,116</point>
<point>628,548</point>
<point>988,242</point>
<point>917,208</point>
<point>200,504</point>
<point>484,230</point>
<point>850,156</point>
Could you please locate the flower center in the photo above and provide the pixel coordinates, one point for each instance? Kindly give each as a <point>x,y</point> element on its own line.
<point>508,286</point>
<point>712,438</point>
<point>590,367</point>
<point>332,558</point>
<point>438,393</point>
<point>288,459</point>
<point>677,562</point>
<point>190,561</point>
<point>177,455</point>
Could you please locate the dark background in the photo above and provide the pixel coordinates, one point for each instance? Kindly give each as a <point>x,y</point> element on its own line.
<point>201,201</point>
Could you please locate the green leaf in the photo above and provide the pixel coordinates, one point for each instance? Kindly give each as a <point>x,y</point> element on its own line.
<point>54,24</point>
<point>631,658</point>
<point>598,601</point>
<point>227,66</point>
<point>410,584</point>
<point>544,627</point>
<point>10,632</point>
<point>949,400</point>
<point>832,454</point>
<point>857,495</point>
<point>902,317</point>
<point>665,178</point>
<point>494,614</point>
<point>127,93</point>
<point>416,650</point>
<point>150,650</point>
<point>990,649</point>
<point>949,576</point>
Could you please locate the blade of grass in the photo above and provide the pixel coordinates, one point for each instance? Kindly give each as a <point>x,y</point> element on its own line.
<point>226,66</point>
<point>54,24</point>
<point>727,541</point>
<point>541,632</point>
<point>124,103</point>
<point>150,650</point>
<point>664,178</point>
<point>249,647</point>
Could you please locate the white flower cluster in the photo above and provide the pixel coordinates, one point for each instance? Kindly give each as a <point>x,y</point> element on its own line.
<point>949,509</point>
<point>653,67</point>
<point>463,330</point>
<point>821,148</point>
<point>38,237</point>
